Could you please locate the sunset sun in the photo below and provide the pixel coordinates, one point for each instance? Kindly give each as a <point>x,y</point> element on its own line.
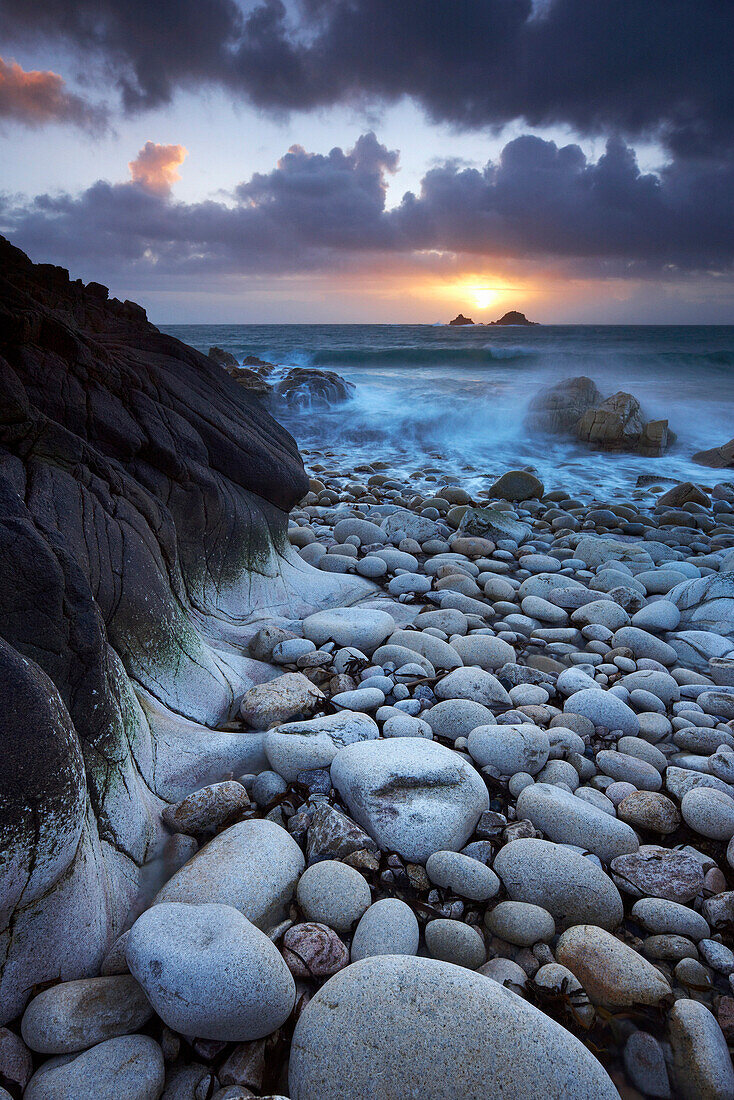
<point>484,296</point>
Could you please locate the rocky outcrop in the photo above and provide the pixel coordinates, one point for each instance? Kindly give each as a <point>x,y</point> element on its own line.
<point>513,318</point>
<point>143,506</point>
<point>718,458</point>
<point>222,358</point>
<point>460,319</point>
<point>250,380</point>
<point>575,407</point>
<point>305,388</point>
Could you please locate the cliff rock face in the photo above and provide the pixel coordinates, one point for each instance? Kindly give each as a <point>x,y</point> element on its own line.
<point>143,505</point>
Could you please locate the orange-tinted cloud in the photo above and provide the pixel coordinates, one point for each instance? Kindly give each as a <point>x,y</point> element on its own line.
<point>36,97</point>
<point>156,166</point>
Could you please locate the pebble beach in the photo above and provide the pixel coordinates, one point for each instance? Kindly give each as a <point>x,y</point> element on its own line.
<point>496,800</point>
<point>436,799</point>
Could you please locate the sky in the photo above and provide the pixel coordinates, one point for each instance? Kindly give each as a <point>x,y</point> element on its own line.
<point>376,160</point>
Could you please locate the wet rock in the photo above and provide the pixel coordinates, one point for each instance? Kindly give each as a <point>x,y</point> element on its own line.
<point>494,524</point>
<point>517,485</point>
<point>557,409</point>
<point>307,388</point>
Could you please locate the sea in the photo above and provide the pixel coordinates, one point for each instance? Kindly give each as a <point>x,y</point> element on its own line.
<point>454,399</point>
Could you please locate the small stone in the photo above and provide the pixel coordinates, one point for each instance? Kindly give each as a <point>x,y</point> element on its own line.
<point>453,941</point>
<point>612,973</point>
<point>701,1061</point>
<point>560,980</point>
<point>462,875</point>
<point>334,894</point>
<point>77,1015</point>
<point>650,811</point>
<point>361,627</point>
<point>333,835</point>
<point>521,923</point>
<point>253,866</point>
<point>658,872</point>
<point>245,1066</point>
<point>298,746</point>
<point>313,950</point>
<point>571,887</point>
<point>130,1066</point>
<point>289,696</point>
<point>389,927</point>
<point>570,820</point>
<point>208,808</point>
<point>510,748</point>
<point>473,683</point>
<point>644,1062</point>
<point>709,812</point>
<point>603,709</point>
<point>661,916</point>
<point>455,718</point>
<point>16,1063</point>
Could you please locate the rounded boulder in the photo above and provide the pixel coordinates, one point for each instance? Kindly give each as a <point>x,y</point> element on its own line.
<point>391,1019</point>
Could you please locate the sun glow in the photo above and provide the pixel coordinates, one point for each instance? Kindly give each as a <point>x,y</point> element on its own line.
<point>484,296</point>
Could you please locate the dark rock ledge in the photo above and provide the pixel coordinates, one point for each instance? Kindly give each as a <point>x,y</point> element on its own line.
<point>143,510</point>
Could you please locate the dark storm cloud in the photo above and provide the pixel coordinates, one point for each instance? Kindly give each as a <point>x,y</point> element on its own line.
<point>636,67</point>
<point>316,212</point>
<point>37,98</point>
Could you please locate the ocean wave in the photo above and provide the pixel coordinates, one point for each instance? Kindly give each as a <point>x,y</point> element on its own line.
<point>417,355</point>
